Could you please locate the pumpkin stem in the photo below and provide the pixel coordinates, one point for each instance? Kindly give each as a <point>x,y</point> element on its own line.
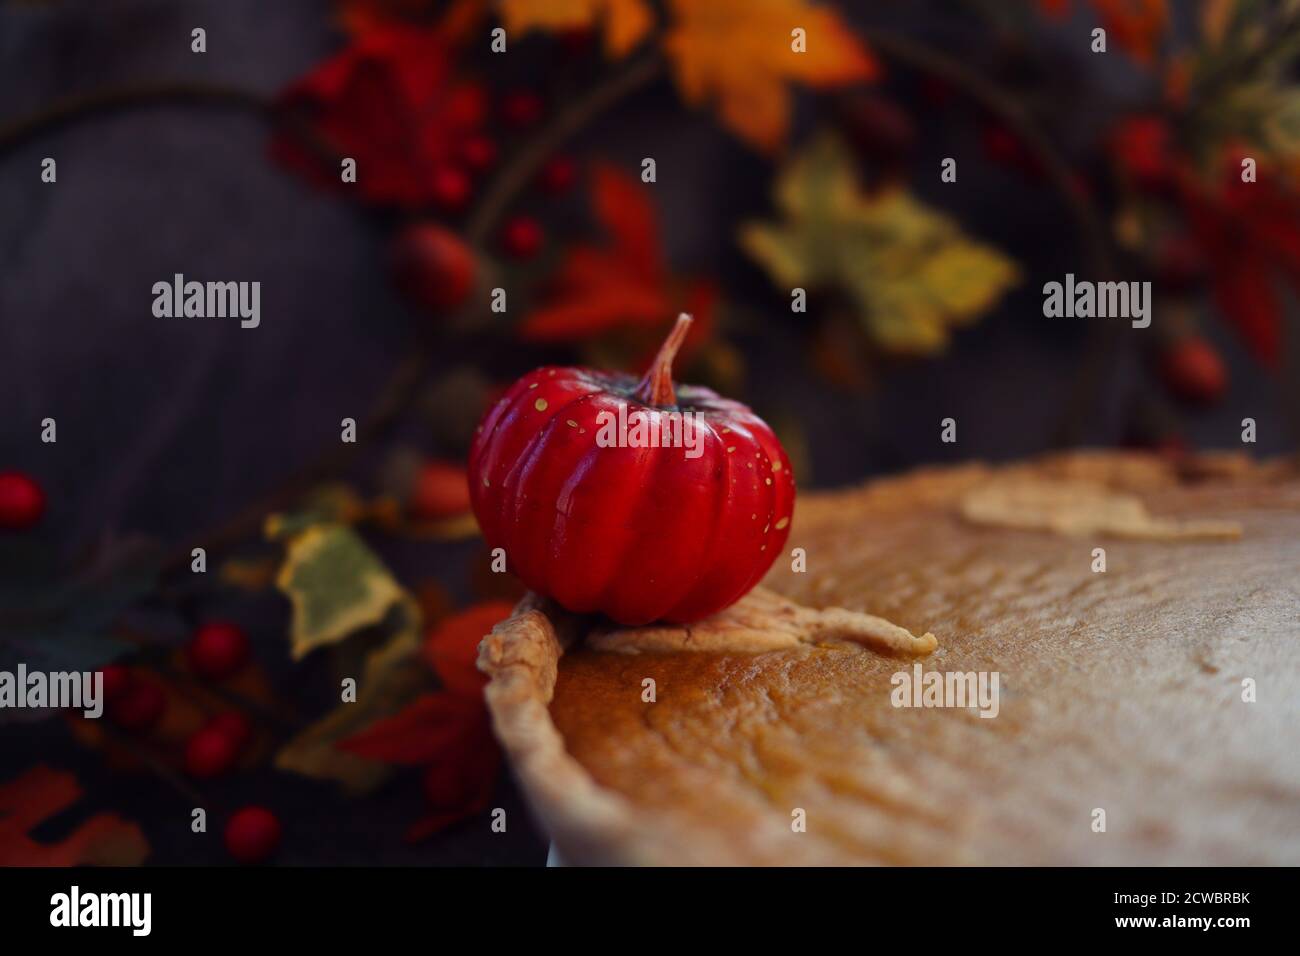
<point>657,386</point>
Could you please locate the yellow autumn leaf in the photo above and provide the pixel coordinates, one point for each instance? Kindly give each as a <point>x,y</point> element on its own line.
<point>740,54</point>
<point>911,272</point>
<point>625,22</point>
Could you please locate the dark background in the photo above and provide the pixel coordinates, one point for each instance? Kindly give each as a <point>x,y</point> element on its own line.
<point>169,427</point>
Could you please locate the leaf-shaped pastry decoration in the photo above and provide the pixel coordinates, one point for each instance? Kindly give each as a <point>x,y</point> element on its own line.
<point>763,621</point>
<point>1077,508</point>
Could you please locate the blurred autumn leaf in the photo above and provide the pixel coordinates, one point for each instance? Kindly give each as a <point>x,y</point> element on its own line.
<point>1135,26</point>
<point>625,22</point>
<point>624,285</point>
<point>449,732</point>
<point>1239,84</point>
<point>739,55</point>
<point>57,618</point>
<point>452,737</point>
<point>392,101</point>
<point>41,793</point>
<point>1186,194</point>
<point>337,586</point>
<point>416,734</point>
<point>911,272</point>
<point>392,677</point>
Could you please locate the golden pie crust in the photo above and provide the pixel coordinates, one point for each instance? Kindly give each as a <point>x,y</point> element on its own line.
<point>1120,690</point>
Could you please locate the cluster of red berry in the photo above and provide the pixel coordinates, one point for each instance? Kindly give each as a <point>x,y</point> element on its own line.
<point>217,651</point>
<point>432,264</point>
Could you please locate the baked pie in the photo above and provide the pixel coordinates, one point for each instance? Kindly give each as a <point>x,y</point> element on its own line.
<point>1138,621</point>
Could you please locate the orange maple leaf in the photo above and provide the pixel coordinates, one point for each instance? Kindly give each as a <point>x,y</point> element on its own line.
<point>626,22</point>
<point>40,793</point>
<point>740,54</point>
<point>620,285</point>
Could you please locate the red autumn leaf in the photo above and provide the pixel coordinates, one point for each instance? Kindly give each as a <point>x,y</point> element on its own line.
<point>452,736</point>
<point>389,101</point>
<point>624,284</point>
<point>40,793</point>
<point>623,207</point>
<point>1136,26</point>
<point>1267,212</point>
<point>421,732</point>
<point>459,782</point>
<point>451,648</point>
<point>1249,233</point>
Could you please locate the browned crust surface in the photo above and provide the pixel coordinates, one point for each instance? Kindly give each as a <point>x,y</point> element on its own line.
<point>1120,691</point>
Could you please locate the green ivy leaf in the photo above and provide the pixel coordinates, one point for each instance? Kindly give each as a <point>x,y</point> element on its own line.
<point>336,584</point>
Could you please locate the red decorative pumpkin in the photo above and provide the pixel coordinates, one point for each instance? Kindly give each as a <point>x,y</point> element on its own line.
<point>590,515</point>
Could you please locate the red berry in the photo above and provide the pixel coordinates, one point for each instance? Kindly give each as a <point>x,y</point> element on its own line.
<point>450,188</point>
<point>558,175</point>
<point>441,490</point>
<point>433,267</point>
<point>521,108</point>
<point>252,834</point>
<point>22,502</point>
<point>210,752</point>
<point>117,681</point>
<point>522,237</point>
<point>1142,146</point>
<point>1193,371</point>
<point>218,649</point>
<point>139,707</point>
<point>478,153</point>
<point>234,725</point>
